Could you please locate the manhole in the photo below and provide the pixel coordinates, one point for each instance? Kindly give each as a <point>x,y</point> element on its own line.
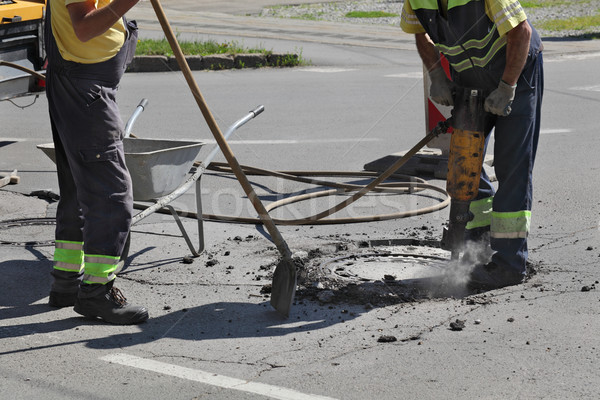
<point>384,274</point>
<point>393,265</point>
<point>28,232</point>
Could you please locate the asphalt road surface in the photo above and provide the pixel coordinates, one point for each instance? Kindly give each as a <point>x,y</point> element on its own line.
<point>212,333</point>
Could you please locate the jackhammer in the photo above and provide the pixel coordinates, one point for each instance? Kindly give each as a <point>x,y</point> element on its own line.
<point>465,161</point>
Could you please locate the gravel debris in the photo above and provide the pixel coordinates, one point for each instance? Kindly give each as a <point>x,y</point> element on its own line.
<point>336,12</point>
<point>387,339</point>
<point>457,325</point>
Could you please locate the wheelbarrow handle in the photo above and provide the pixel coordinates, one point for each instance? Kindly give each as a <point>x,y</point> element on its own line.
<point>252,114</point>
<point>258,110</point>
<point>134,116</point>
<point>143,103</point>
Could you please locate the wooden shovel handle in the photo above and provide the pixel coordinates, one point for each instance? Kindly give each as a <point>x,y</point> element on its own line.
<point>218,135</point>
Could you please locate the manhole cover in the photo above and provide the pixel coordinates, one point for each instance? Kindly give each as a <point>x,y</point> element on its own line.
<point>28,232</point>
<point>383,275</point>
<point>388,264</point>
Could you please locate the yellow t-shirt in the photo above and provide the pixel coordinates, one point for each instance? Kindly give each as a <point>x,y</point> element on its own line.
<point>506,14</point>
<point>98,49</point>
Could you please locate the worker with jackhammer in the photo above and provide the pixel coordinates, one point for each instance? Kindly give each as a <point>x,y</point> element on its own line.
<point>89,44</point>
<point>491,46</point>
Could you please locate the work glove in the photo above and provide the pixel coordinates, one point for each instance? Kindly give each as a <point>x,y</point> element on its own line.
<point>442,88</point>
<point>499,102</point>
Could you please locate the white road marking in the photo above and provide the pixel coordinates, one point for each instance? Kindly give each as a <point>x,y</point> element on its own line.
<point>411,75</point>
<point>593,88</point>
<point>549,131</point>
<point>325,70</point>
<point>208,378</point>
<point>297,141</point>
<point>297,324</point>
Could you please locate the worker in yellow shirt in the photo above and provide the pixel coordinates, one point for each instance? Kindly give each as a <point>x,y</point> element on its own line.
<point>490,45</point>
<point>89,44</point>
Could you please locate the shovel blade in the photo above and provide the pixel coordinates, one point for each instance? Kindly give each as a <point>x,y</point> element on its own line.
<point>283,287</point>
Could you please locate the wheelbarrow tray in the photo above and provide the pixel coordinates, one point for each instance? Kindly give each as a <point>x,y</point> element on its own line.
<point>157,167</point>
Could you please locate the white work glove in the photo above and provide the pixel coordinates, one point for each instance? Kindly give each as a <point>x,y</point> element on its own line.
<point>441,87</point>
<point>499,102</point>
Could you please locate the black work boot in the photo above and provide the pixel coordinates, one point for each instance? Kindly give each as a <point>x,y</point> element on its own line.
<point>60,300</point>
<point>111,306</point>
<point>492,276</point>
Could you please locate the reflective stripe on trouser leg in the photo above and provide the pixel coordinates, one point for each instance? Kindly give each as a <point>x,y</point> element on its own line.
<point>68,266</point>
<point>100,269</point>
<point>510,225</point>
<point>68,256</point>
<point>482,213</point>
<point>509,231</point>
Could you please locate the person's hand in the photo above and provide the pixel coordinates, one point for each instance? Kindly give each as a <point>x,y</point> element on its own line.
<point>499,102</point>
<point>441,87</point>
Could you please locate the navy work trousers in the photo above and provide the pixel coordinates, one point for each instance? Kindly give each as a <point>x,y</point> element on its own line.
<point>515,145</point>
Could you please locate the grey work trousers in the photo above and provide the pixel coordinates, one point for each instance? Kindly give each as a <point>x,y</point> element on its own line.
<point>96,201</point>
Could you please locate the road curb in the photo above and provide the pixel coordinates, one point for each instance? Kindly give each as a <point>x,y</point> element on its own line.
<point>214,62</point>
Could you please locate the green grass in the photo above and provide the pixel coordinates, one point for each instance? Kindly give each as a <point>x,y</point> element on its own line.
<point>161,47</point>
<point>547,3</point>
<point>574,23</point>
<point>151,47</point>
<point>370,14</point>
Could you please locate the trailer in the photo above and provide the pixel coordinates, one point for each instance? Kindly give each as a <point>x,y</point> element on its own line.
<point>22,48</point>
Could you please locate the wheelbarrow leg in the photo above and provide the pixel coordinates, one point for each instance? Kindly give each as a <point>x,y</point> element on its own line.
<point>195,253</point>
<point>199,215</point>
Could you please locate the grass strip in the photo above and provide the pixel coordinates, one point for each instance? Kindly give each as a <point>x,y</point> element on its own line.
<point>370,14</point>
<point>161,47</point>
<point>153,47</point>
<point>548,3</point>
<point>571,24</point>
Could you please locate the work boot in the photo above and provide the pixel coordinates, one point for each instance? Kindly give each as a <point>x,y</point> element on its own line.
<point>493,276</point>
<point>61,300</point>
<point>112,307</point>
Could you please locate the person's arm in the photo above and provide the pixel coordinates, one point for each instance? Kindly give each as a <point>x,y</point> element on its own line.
<point>499,102</point>
<point>441,89</point>
<point>427,51</point>
<point>517,49</point>
<point>89,21</point>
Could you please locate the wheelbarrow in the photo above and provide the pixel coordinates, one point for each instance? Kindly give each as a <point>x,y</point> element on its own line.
<point>161,171</point>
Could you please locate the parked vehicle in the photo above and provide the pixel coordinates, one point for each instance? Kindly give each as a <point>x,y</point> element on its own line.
<point>22,53</point>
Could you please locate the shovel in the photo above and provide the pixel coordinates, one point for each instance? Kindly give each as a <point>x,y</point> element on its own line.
<point>284,277</point>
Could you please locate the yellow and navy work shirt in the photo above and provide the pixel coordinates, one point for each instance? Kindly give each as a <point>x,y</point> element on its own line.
<point>506,14</point>
<point>98,49</point>
<point>471,34</point>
